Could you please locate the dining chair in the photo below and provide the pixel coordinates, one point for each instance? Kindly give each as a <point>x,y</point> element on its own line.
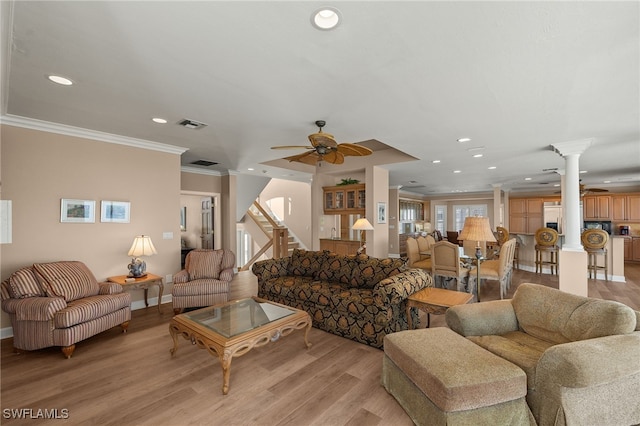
<point>413,253</point>
<point>423,247</point>
<point>499,270</point>
<point>452,237</point>
<point>445,263</point>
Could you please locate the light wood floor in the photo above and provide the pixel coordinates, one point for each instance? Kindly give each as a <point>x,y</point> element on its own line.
<point>130,379</point>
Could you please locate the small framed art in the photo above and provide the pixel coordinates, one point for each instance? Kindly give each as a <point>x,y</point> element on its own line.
<point>115,211</point>
<point>382,212</point>
<point>77,211</point>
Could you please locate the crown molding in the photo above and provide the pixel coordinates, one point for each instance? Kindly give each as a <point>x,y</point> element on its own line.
<point>196,170</point>
<point>62,129</point>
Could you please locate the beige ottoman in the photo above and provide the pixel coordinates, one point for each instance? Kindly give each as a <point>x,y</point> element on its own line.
<point>441,378</point>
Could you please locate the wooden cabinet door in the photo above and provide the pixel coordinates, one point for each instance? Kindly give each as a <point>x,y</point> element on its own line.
<point>628,249</point>
<point>619,207</point>
<point>517,206</point>
<point>604,207</point>
<point>535,206</point>
<point>590,208</point>
<point>518,224</point>
<point>534,222</point>
<point>633,207</point>
<point>328,200</point>
<point>636,249</point>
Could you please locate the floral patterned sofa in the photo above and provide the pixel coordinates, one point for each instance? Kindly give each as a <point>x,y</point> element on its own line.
<point>358,297</point>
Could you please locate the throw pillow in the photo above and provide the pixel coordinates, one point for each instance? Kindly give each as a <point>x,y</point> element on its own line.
<point>337,268</point>
<point>305,263</point>
<point>71,280</point>
<point>23,283</point>
<point>370,270</point>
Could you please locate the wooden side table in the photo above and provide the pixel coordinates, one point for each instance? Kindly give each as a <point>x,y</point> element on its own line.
<point>435,301</point>
<point>141,283</point>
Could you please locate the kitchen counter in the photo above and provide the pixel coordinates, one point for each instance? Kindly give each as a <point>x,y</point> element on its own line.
<point>615,248</point>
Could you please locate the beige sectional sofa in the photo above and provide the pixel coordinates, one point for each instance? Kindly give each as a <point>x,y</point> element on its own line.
<point>358,297</point>
<point>581,355</point>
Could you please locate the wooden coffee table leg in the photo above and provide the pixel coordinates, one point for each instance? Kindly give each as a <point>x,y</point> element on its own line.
<point>306,335</point>
<point>225,361</point>
<point>174,336</point>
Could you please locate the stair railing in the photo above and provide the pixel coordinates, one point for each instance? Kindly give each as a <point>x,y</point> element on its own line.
<point>278,236</point>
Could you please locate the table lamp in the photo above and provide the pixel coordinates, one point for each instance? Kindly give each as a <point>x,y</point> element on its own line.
<point>477,228</point>
<point>142,246</point>
<point>362,225</point>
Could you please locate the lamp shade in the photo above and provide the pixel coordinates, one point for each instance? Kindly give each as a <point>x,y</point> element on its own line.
<point>477,228</point>
<point>362,224</point>
<point>142,246</point>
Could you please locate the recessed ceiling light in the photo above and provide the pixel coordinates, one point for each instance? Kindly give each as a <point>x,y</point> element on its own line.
<point>527,178</point>
<point>251,169</point>
<point>159,120</point>
<point>583,171</point>
<point>326,18</point>
<point>457,171</point>
<point>60,80</point>
<point>556,184</point>
<point>477,155</point>
<point>464,140</point>
<point>492,167</point>
<point>435,161</point>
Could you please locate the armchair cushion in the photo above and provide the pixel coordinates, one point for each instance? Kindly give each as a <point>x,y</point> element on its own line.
<point>204,264</point>
<point>23,283</point>
<point>89,308</point>
<point>68,279</point>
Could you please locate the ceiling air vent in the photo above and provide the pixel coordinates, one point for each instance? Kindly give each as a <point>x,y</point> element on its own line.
<point>191,124</point>
<point>205,163</point>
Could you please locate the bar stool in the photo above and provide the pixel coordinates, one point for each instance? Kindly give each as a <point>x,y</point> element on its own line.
<point>546,239</point>
<point>594,242</point>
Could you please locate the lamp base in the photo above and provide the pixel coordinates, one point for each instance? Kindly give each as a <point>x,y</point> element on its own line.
<point>137,268</point>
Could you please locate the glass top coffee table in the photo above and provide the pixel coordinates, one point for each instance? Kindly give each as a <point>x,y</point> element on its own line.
<point>234,328</point>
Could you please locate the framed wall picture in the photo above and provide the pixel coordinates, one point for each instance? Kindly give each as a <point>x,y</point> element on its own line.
<point>115,211</point>
<point>77,211</point>
<point>382,212</point>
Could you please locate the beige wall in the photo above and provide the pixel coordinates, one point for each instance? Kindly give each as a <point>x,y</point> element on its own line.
<point>291,202</point>
<point>39,168</point>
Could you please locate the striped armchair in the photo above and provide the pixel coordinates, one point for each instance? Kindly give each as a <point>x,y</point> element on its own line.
<point>205,279</point>
<point>60,304</point>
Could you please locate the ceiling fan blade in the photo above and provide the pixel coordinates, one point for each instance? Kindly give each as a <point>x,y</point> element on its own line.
<point>324,139</point>
<point>333,157</point>
<point>292,147</point>
<point>309,157</point>
<point>597,190</point>
<point>353,149</point>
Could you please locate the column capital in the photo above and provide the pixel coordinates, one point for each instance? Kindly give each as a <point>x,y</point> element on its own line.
<point>572,147</point>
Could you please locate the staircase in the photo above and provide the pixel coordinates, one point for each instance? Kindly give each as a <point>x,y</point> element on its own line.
<point>265,224</point>
<point>276,234</point>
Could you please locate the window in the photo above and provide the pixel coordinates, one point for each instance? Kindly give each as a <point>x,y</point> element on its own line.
<point>461,213</point>
<point>440,218</point>
<point>411,211</point>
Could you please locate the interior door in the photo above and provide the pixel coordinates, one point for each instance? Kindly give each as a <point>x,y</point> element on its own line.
<point>207,222</point>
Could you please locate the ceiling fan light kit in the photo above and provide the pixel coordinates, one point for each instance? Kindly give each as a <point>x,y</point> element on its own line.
<point>325,148</point>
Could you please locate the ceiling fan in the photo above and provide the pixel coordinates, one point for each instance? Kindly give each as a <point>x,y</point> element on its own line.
<point>324,148</point>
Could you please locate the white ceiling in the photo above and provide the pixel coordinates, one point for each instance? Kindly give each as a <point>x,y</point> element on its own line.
<point>515,77</point>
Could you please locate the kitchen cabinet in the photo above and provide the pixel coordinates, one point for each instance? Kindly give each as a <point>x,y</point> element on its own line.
<point>597,207</point>
<point>635,249</point>
<point>625,207</point>
<point>628,248</point>
<point>350,199</point>
<point>525,215</point>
